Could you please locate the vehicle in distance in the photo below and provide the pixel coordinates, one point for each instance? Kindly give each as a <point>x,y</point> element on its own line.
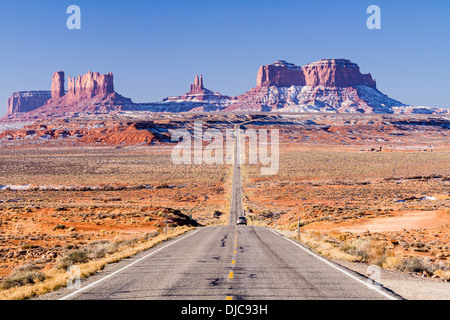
<point>242,220</point>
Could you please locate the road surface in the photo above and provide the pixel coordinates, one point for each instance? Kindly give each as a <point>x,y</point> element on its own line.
<point>225,262</point>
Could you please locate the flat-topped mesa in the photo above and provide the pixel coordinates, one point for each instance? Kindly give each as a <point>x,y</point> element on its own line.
<point>25,101</point>
<point>280,74</point>
<point>331,73</point>
<point>340,73</point>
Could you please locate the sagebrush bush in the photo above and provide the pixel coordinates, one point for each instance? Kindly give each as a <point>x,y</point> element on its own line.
<point>21,276</point>
<point>73,257</point>
<point>413,265</point>
<point>368,250</point>
<point>356,248</point>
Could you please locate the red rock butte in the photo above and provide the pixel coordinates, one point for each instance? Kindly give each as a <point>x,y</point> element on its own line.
<point>197,86</point>
<point>327,85</point>
<point>82,87</point>
<point>25,101</point>
<point>198,93</point>
<point>57,88</point>
<point>330,73</point>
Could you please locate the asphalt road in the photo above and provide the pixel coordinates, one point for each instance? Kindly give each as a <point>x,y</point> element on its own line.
<point>225,262</point>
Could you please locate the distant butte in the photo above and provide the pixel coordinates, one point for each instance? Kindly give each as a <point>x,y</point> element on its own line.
<point>198,93</point>
<point>327,86</point>
<point>330,73</point>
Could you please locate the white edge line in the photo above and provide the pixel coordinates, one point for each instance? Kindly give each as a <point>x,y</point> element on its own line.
<point>336,267</point>
<point>127,266</point>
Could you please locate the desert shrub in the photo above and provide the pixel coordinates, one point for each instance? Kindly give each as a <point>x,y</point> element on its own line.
<point>99,249</point>
<point>21,276</point>
<point>413,265</point>
<point>73,257</point>
<point>150,235</point>
<point>367,250</point>
<point>356,248</point>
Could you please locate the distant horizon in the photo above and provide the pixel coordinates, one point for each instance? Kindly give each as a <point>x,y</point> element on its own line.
<point>154,49</point>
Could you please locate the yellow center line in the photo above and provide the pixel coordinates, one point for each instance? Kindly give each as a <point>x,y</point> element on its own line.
<point>233,262</point>
<point>230,276</point>
<point>229,298</point>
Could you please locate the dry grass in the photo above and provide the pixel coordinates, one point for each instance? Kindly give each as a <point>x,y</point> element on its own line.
<point>56,278</point>
<point>339,246</point>
<point>326,249</point>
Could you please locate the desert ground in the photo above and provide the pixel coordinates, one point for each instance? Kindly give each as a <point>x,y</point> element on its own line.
<point>57,202</point>
<point>369,191</point>
<point>368,188</point>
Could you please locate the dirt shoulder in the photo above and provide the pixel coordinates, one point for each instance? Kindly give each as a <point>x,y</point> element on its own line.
<point>408,286</point>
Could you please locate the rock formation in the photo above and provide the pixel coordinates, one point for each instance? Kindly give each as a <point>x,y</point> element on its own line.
<point>329,73</point>
<point>199,94</point>
<point>280,74</point>
<point>89,85</point>
<point>328,85</point>
<point>57,84</point>
<point>91,92</point>
<point>197,86</point>
<point>25,101</point>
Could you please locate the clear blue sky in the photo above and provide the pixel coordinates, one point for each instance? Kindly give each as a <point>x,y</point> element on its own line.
<point>155,48</point>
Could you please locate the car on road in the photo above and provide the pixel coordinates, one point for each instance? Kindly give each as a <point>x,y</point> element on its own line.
<point>242,220</point>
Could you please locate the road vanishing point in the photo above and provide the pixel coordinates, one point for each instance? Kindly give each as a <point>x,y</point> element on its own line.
<point>226,262</point>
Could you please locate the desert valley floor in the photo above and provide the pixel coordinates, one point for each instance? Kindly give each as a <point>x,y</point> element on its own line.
<point>368,188</point>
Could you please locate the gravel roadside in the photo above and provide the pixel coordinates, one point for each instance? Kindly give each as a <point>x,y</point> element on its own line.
<point>406,285</point>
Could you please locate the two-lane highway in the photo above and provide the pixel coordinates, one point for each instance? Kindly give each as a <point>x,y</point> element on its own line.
<point>225,262</point>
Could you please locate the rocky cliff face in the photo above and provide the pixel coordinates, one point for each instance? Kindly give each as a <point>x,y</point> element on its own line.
<point>280,74</point>
<point>57,85</point>
<point>25,101</point>
<point>89,85</point>
<point>197,86</point>
<point>91,92</point>
<point>86,93</point>
<point>326,72</point>
<point>336,73</point>
<point>328,85</point>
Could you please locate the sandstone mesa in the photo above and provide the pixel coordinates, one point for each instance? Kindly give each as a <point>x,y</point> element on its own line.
<point>327,85</point>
